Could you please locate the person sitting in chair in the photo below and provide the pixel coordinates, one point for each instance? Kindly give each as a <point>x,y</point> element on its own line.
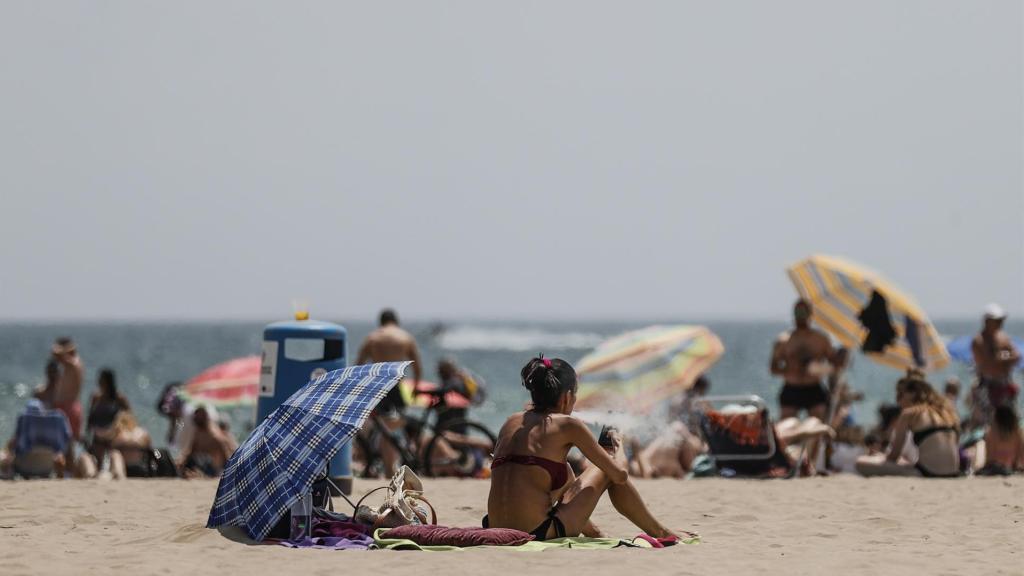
<point>41,437</point>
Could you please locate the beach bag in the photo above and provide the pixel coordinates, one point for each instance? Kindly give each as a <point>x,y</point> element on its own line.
<point>404,503</point>
<point>160,464</point>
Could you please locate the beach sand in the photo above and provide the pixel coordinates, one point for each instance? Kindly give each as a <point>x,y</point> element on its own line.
<point>843,525</point>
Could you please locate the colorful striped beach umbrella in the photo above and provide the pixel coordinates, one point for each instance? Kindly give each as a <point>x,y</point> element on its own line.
<point>637,370</point>
<point>232,383</point>
<point>280,459</point>
<point>840,291</point>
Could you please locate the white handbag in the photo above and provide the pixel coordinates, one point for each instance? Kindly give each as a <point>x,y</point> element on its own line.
<point>404,502</point>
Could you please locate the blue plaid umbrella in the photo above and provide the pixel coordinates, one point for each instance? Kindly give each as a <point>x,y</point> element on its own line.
<point>283,455</point>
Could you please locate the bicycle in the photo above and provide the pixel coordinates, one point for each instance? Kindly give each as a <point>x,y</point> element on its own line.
<point>456,447</point>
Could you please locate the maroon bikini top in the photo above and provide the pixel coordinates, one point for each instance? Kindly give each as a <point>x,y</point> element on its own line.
<point>557,470</point>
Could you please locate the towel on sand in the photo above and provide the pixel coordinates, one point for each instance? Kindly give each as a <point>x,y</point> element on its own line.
<point>431,535</point>
<point>381,540</point>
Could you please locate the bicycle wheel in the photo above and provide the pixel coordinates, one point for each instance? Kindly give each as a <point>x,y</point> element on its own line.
<point>366,462</point>
<point>460,448</point>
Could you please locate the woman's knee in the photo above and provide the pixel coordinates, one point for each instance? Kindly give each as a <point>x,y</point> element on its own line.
<point>593,477</point>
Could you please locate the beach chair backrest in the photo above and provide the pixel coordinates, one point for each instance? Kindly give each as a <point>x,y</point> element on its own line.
<point>36,463</point>
<point>741,432</point>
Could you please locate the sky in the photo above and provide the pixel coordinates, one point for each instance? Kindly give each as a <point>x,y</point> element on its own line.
<point>527,160</point>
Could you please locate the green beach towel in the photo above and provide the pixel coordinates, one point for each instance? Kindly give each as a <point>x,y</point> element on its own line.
<point>579,542</point>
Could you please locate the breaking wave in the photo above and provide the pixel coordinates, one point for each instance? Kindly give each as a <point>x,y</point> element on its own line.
<point>517,339</point>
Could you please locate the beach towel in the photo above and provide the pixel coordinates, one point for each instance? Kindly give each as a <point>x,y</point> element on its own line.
<point>334,534</point>
<point>428,535</point>
<point>357,542</point>
<point>745,429</point>
<point>382,541</point>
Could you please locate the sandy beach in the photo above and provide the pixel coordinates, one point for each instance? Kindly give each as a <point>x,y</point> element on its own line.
<point>843,525</point>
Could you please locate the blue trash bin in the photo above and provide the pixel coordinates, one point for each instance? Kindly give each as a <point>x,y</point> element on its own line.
<point>295,352</point>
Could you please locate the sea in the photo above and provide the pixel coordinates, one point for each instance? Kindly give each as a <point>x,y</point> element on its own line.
<point>146,356</point>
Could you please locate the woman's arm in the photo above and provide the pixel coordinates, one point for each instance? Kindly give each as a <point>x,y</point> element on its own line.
<point>223,443</point>
<point>777,363</point>
<point>581,437</point>
<point>899,437</point>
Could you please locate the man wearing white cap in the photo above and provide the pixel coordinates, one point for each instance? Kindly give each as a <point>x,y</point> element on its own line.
<point>995,357</point>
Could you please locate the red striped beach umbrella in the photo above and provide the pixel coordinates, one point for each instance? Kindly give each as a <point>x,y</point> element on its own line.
<point>231,383</point>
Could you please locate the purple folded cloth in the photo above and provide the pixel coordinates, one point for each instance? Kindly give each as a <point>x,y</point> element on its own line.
<point>361,542</point>
<point>334,535</point>
<point>338,528</point>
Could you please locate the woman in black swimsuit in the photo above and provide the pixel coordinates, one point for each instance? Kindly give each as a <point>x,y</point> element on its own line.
<point>532,487</point>
<point>929,421</point>
<point>104,406</point>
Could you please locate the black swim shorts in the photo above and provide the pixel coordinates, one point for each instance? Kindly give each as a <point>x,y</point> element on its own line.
<point>804,396</point>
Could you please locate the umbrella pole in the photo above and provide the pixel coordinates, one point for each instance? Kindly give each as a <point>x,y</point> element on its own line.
<point>335,486</point>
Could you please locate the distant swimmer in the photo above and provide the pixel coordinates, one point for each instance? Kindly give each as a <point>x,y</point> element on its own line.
<point>390,343</point>
<point>995,356</point>
<point>803,359</point>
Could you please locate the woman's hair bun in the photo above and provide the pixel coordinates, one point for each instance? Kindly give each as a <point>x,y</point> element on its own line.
<point>535,373</point>
<point>547,380</point>
<point>548,377</point>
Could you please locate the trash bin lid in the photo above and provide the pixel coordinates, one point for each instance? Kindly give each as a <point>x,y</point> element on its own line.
<point>304,329</point>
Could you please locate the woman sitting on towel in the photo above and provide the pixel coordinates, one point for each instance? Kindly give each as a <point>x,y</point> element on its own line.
<point>532,487</point>
<point>928,421</point>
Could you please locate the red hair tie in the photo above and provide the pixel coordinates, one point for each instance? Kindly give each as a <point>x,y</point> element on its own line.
<point>547,363</point>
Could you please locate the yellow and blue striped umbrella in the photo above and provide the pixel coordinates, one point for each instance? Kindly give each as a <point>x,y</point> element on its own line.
<point>636,370</point>
<point>838,290</point>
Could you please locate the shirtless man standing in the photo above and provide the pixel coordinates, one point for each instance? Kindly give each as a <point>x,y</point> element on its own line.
<point>802,360</point>
<point>69,386</point>
<point>390,343</point>
<point>995,356</point>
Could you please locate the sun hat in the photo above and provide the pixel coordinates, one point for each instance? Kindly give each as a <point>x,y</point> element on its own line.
<point>995,312</point>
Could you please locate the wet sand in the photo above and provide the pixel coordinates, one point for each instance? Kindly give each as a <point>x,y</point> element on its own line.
<point>843,525</point>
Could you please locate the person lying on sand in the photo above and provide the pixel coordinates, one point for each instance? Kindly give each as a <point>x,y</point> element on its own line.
<point>533,488</point>
<point>670,455</point>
